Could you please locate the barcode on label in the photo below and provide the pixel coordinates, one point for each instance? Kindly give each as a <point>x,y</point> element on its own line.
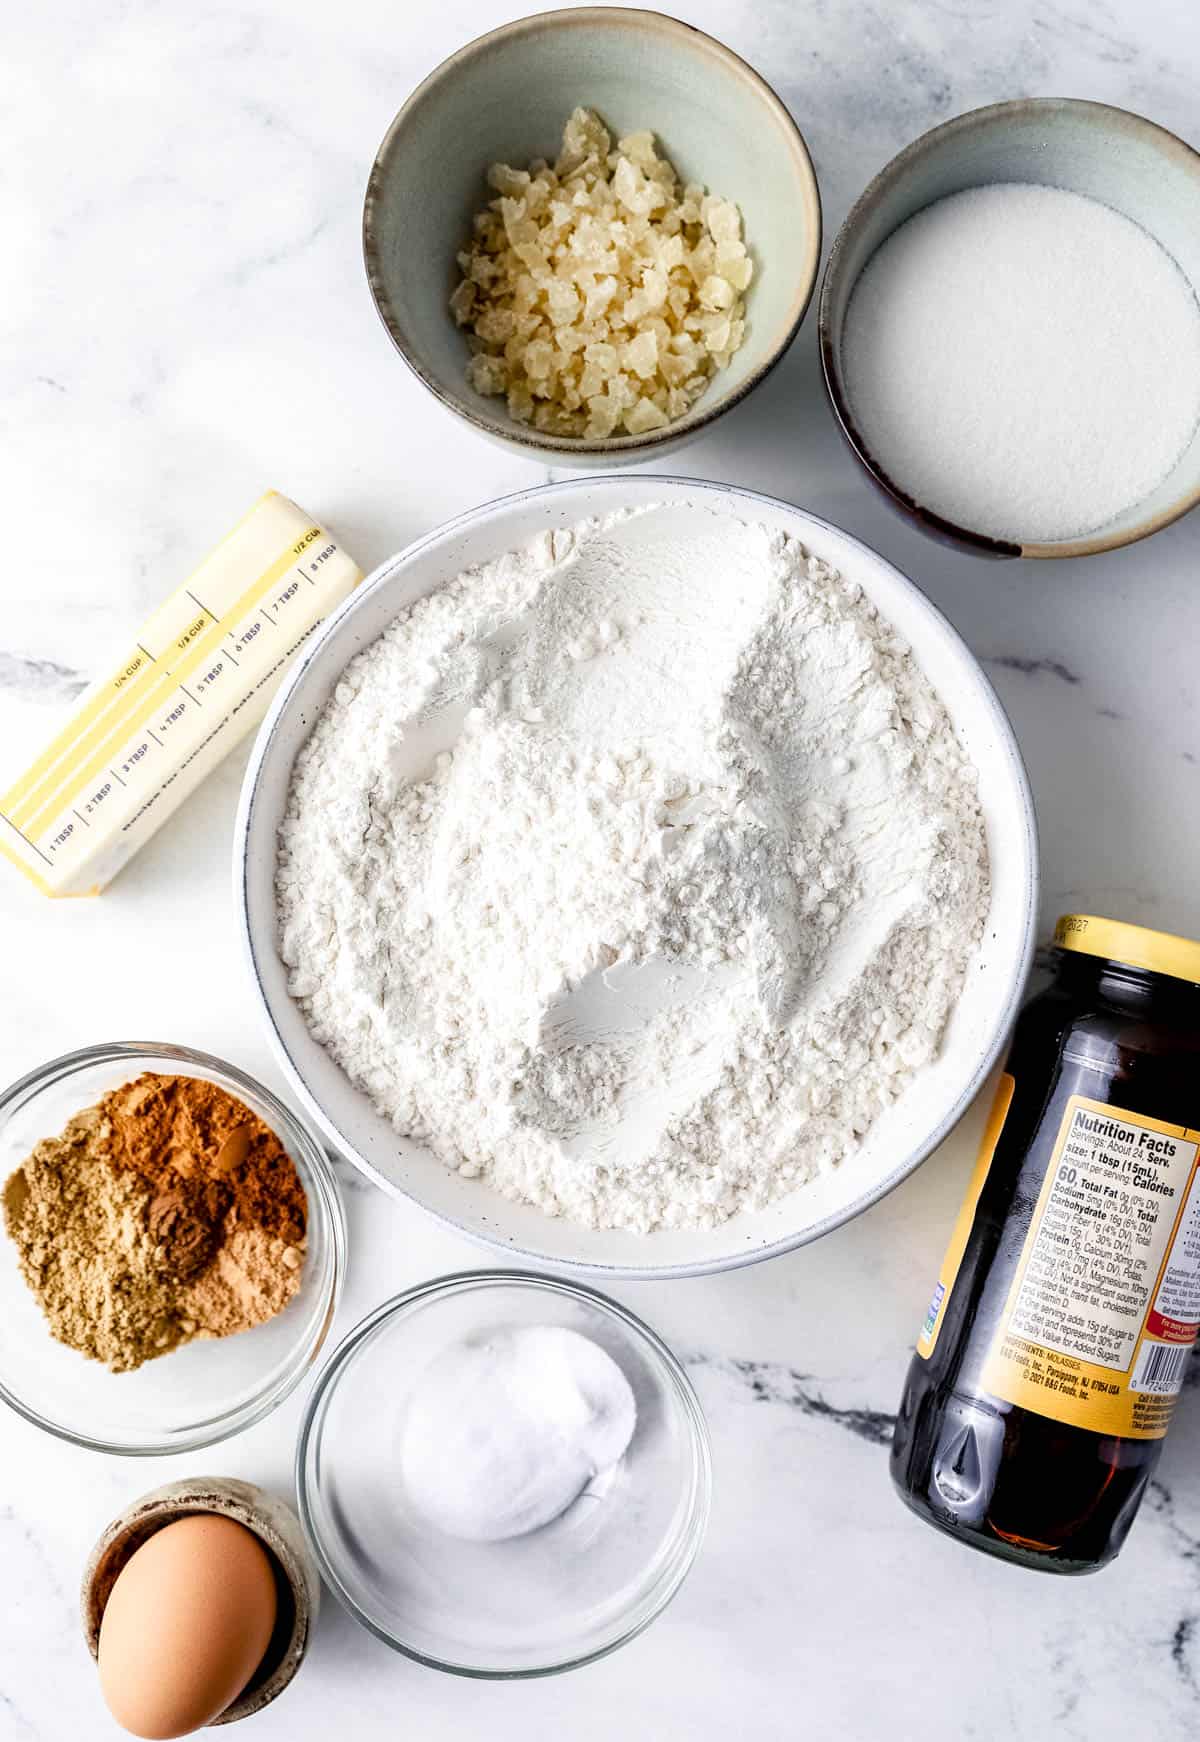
<point>1160,1368</point>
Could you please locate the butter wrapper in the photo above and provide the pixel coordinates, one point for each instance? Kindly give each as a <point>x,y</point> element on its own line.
<point>196,679</point>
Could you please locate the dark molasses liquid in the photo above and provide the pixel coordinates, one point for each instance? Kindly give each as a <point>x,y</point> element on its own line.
<point>1073,1319</point>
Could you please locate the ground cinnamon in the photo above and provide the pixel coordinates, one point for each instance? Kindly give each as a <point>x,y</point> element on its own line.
<point>196,1143</point>
<point>166,1212</point>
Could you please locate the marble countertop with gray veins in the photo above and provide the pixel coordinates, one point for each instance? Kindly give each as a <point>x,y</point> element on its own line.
<point>185,323</point>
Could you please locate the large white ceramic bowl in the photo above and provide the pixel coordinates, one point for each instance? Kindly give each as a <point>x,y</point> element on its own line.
<point>896,1144</point>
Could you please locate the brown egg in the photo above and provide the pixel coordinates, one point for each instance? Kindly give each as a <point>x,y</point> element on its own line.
<point>186,1625</point>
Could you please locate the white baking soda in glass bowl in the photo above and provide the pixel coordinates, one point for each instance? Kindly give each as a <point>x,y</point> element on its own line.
<point>935,1096</point>
<point>552,1598</point>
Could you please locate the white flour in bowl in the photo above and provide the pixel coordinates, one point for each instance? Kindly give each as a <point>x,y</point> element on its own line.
<point>635,872</point>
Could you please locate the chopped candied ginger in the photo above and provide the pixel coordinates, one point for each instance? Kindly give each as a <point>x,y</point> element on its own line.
<point>598,296</point>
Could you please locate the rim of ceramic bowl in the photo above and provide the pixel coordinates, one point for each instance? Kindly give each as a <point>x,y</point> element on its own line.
<point>325,1120</point>
<point>699,1499</point>
<point>626,446</point>
<point>1124,120</point>
<point>321,1191</point>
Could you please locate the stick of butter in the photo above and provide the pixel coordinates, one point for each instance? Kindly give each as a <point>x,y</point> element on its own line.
<point>197,679</point>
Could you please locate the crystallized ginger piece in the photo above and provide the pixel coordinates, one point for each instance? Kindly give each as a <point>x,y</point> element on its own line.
<point>538,359</point>
<point>462,302</point>
<point>602,356</point>
<point>733,263</point>
<point>584,136</point>
<point>603,416</point>
<point>723,219</point>
<point>641,355</point>
<point>669,251</point>
<point>562,299</point>
<point>644,417</point>
<point>495,325</point>
<point>598,296</point>
<point>488,375</point>
<point>508,181</point>
<point>717,293</point>
<point>639,148</point>
<point>636,192</point>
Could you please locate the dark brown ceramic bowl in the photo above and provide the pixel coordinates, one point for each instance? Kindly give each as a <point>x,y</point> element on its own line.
<point>505,98</point>
<point>1108,154</point>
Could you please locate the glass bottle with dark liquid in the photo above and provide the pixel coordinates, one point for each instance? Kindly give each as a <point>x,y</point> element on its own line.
<point>1069,1299</point>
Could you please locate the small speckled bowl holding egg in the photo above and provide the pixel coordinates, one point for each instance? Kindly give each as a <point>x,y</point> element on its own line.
<point>505,98</point>
<point>238,1585</point>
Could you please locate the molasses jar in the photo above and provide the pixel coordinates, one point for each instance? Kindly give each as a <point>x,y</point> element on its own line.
<point>1062,1322</point>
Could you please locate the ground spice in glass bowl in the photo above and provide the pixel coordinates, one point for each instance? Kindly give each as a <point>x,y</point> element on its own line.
<point>159,1203</point>
<point>167,1211</point>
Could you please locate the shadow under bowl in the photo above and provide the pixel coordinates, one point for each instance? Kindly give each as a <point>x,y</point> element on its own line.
<point>1107,154</point>
<point>505,98</point>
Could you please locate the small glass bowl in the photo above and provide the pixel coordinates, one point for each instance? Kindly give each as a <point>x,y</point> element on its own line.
<point>552,1600</point>
<point>210,1388</point>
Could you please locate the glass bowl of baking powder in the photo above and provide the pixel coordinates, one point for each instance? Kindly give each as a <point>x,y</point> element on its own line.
<point>537,1600</point>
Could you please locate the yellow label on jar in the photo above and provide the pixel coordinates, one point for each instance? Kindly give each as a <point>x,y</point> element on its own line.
<point>1104,1307</point>
<point>927,1340</point>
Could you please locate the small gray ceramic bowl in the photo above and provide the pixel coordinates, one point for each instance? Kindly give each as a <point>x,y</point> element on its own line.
<point>505,98</point>
<point>1124,161</point>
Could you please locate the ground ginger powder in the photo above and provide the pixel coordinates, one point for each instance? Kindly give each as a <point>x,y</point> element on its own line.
<point>168,1211</point>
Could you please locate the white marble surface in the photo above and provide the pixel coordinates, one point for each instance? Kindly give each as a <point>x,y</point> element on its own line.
<point>185,321</point>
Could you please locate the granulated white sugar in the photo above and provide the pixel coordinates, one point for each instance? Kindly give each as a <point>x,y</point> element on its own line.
<point>635,872</point>
<point>1024,361</point>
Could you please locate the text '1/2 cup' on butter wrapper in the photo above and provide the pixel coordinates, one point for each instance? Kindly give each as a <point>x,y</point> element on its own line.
<point>196,679</point>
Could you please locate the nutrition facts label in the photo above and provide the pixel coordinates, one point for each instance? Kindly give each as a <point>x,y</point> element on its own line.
<point>1105,1304</point>
<point>1101,1238</point>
